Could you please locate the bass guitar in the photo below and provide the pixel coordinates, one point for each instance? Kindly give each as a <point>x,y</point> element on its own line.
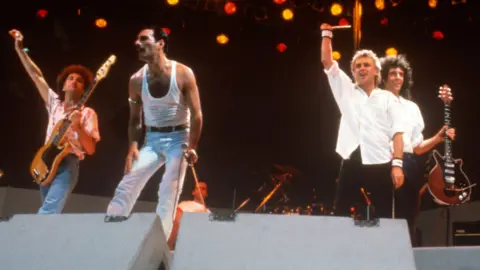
<point>47,159</point>
<point>447,182</point>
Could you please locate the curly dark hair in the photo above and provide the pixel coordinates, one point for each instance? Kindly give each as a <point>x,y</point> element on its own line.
<point>398,61</point>
<point>86,74</point>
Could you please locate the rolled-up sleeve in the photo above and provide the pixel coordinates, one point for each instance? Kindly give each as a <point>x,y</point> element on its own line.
<point>396,115</point>
<point>341,86</point>
<point>90,124</point>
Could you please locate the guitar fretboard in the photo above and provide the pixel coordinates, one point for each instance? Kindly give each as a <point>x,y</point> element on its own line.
<point>448,123</point>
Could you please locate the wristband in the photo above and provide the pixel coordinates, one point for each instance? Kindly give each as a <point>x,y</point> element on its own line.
<point>397,163</point>
<point>327,33</point>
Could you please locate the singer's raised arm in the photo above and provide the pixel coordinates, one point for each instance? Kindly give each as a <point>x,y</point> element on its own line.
<point>33,71</point>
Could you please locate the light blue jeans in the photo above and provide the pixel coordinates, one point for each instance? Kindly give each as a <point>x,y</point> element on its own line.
<point>159,149</point>
<point>54,196</point>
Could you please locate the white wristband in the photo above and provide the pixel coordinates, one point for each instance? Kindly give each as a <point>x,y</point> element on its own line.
<point>397,163</point>
<point>327,33</point>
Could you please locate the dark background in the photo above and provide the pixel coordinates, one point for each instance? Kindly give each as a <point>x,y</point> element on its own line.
<point>261,107</point>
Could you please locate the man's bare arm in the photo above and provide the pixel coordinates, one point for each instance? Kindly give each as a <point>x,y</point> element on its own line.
<point>326,49</point>
<point>31,68</point>
<point>193,100</point>
<point>135,103</point>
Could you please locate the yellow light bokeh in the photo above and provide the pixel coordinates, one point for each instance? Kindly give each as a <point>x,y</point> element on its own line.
<point>287,14</point>
<point>336,9</point>
<point>380,4</point>
<point>391,51</point>
<point>222,39</point>
<point>336,55</point>
<point>172,2</point>
<point>101,23</point>
<point>432,3</point>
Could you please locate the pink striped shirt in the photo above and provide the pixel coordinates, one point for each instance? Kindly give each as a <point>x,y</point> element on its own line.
<point>89,122</point>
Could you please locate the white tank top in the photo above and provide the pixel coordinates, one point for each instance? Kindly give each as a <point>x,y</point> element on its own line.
<point>169,110</point>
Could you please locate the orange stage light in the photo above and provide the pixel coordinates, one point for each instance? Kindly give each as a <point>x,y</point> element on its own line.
<point>172,2</point>
<point>279,2</point>
<point>380,4</point>
<point>230,8</point>
<point>391,51</point>
<point>101,23</point>
<point>287,14</point>
<point>384,21</point>
<point>336,55</point>
<point>222,39</point>
<point>432,3</point>
<point>336,9</point>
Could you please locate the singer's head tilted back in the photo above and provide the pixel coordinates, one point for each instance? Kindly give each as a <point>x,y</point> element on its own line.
<point>151,44</point>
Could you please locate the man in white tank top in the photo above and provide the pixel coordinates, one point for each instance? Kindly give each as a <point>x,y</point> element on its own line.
<point>168,94</point>
<point>397,78</point>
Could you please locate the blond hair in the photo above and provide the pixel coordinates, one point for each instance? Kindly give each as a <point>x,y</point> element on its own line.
<point>374,57</point>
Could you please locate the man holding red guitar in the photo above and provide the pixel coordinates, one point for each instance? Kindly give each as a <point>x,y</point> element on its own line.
<point>397,78</point>
<point>82,135</point>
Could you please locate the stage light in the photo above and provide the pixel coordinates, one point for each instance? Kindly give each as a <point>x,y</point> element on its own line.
<point>79,12</point>
<point>42,13</point>
<point>432,3</point>
<point>336,55</point>
<point>343,21</point>
<point>395,3</point>
<point>380,4</point>
<point>279,2</point>
<point>166,30</point>
<point>438,35</point>
<point>172,2</point>
<point>287,14</point>
<point>281,47</point>
<point>222,39</point>
<point>456,2</point>
<point>391,51</point>
<point>230,8</point>
<point>101,23</point>
<point>336,9</point>
<point>384,21</point>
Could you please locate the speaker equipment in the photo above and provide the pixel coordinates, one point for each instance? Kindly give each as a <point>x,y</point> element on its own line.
<point>290,242</point>
<point>466,233</point>
<point>447,258</point>
<point>83,241</point>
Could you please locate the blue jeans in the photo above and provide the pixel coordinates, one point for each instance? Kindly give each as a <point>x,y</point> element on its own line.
<point>54,196</point>
<point>159,149</point>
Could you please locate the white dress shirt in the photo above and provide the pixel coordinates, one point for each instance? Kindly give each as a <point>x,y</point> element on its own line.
<point>413,134</point>
<point>368,121</point>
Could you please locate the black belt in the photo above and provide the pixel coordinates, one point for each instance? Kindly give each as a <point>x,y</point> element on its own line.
<point>167,129</point>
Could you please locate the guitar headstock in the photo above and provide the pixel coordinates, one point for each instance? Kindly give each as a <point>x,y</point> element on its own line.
<point>105,68</point>
<point>445,94</point>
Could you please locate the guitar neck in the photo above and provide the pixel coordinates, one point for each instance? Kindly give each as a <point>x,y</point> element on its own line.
<point>448,123</point>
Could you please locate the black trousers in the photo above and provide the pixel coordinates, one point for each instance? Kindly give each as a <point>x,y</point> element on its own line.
<point>375,179</point>
<point>407,196</point>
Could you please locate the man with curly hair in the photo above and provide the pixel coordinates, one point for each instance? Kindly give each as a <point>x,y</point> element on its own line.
<point>82,134</point>
<point>397,78</point>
